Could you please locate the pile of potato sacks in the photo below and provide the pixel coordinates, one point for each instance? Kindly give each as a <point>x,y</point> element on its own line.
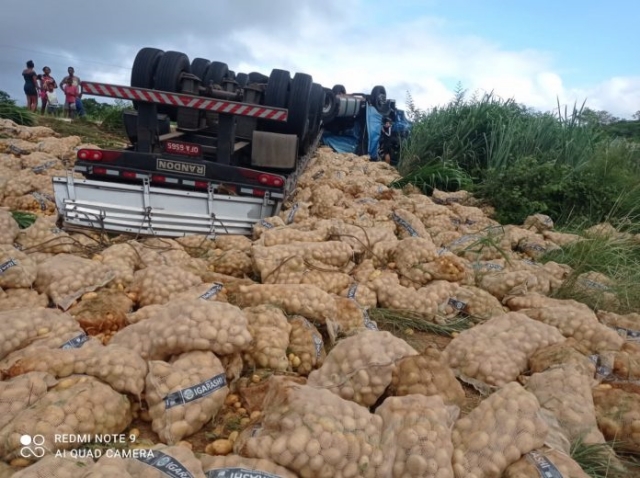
<point>274,332</point>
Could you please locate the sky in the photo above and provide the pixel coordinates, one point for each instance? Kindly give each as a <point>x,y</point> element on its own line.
<point>537,52</point>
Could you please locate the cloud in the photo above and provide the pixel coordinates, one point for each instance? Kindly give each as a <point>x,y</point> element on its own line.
<point>331,40</point>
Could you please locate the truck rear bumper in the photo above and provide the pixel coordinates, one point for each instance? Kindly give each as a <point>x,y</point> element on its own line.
<point>153,211</point>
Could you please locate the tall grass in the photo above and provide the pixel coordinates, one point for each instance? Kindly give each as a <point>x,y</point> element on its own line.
<point>17,114</point>
<point>521,161</point>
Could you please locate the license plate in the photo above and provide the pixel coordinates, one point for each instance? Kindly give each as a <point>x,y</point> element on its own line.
<point>185,149</point>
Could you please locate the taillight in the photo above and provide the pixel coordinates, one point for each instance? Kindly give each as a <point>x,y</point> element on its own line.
<point>202,185</point>
<point>98,155</point>
<point>98,170</point>
<point>156,178</point>
<point>270,180</point>
<point>128,174</point>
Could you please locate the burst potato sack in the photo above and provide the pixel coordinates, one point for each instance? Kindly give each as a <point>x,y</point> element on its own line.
<point>103,311</point>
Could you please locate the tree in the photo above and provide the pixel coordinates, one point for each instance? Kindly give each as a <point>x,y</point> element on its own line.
<point>601,117</point>
<point>5,98</point>
<point>636,115</point>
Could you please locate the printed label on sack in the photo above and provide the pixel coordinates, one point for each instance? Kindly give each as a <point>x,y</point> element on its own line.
<point>632,335</point>
<point>292,213</point>
<point>266,225</point>
<point>368,323</point>
<point>44,167</point>
<point>462,240</point>
<point>492,266</point>
<point>534,247</point>
<point>457,304</point>
<point>529,262</point>
<point>212,292</point>
<point>318,175</point>
<point>404,224</point>
<point>351,294</point>
<point>41,200</point>
<point>594,285</point>
<point>317,341</point>
<point>186,395</point>
<point>238,473</point>
<point>166,464</point>
<point>442,251</point>
<point>75,343</point>
<point>602,369</point>
<point>4,267</point>
<point>544,466</point>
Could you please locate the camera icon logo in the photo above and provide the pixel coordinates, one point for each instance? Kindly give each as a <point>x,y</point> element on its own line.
<point>32,446</point>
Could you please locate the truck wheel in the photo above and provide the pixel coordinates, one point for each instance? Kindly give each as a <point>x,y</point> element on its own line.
<point>199,67</point>
<point>339,90</point>
<point>216,73</point>
<point>170,69</point>
<point>241,79</point>
<point>144,69</point>
<point>298,105</point>
<point>277,92</point>
<point>379,99</point>
<point>255,77</point>
<point>316,102</point>
<point>329,106</point>
<point>231,75</point>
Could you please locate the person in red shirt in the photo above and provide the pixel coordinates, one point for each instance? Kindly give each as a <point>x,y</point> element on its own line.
<point>45,80</point>
<point>70,96</point>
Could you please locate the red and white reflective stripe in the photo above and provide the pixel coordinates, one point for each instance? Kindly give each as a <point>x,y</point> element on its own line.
<point>188,101</point>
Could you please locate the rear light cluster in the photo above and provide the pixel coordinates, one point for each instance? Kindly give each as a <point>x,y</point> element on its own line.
<point>98,155</point>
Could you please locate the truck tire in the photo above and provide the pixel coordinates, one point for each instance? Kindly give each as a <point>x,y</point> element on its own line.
<point>339,90</point>
<point>298,105</point>
<point>216,72</point>
<point>170,69</point>
<point>316,102</point>
<point>241,79</point>
<point>255,77</point>
<point>379,99</point>
<point>144,69</point>
<point>231,75</point>
<point>199,67</point>
<point>277,92</point>
<point>329,106</point>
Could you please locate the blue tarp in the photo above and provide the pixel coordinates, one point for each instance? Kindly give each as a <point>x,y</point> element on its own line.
<point>346,142</point>
<point>374,125</point>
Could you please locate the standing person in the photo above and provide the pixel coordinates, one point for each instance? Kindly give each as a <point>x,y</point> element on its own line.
<point>70,96</point>
<point>45,80</point>
<point>384,148</point>
<point>77,84</point>
<point>31,86</point>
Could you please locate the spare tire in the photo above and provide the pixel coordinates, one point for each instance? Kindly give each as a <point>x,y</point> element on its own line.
<point>298,105</point>
<point>216,72</point>
<point>170,69</point>
<point>199,67</point>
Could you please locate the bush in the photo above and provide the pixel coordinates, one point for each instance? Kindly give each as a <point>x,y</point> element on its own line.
<point>19,115</point>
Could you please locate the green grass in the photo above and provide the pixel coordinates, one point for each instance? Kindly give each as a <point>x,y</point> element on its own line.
<point>17,114</point>
<point>24,219</point>
<point>399,321</point>
<point>617,257</point>
<point>89,131</point>
<point>599,461</point>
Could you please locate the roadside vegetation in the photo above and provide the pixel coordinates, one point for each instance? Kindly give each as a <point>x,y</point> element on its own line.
<point>572,164</point>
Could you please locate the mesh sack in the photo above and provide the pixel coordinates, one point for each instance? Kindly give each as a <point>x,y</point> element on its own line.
<point>324,199</point>
<point>306,346</point>
<point>618,415</point>
<point>44,236</point>
<point>35,202</point>
<point>315,434</point>
<point>183,326</point>
<point>583,326</point>
<point>77,405</point>
<point>156,284</point>
<point>297,213</point>
<point>361,294</point>
<point>330,255</point>
<point>17,270</point>
<point>52,466</point>
<point>408,225</point>
<point>474,302</point>
<point>538,223</point>
<point>502,284</point>
<point>417,434</point>
<point>501,429</point>
<point>266,224</point>
<point>561,239</point>
<point>626,364</point>
<point>362,239</point>
<point>295,271</point>
<point>270,329</point>
<point>158,461</point>
<point>8,227</point>
<point>567,352</point>
<point>21,392</point>
<point>497,351</point>
<point>566,392</point>
<point>65,278</point>
<point>417,259</point>
<point>628,326</point>
<point>102,311</point>
<point>123,259</point>
<point>360,367</point>
<point>383,253</point>
<point>232,262</point>
<point>426,374</point>
<point>185,394</point>
<point>286,235</point>
<point>235,465</point>
<point>296,299</point>
<point>545,462</point>
<point>538,301</point>
<point>61,148</point>
<point>121,368</point>
<point>351,317</point>
<point>46,327</point>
